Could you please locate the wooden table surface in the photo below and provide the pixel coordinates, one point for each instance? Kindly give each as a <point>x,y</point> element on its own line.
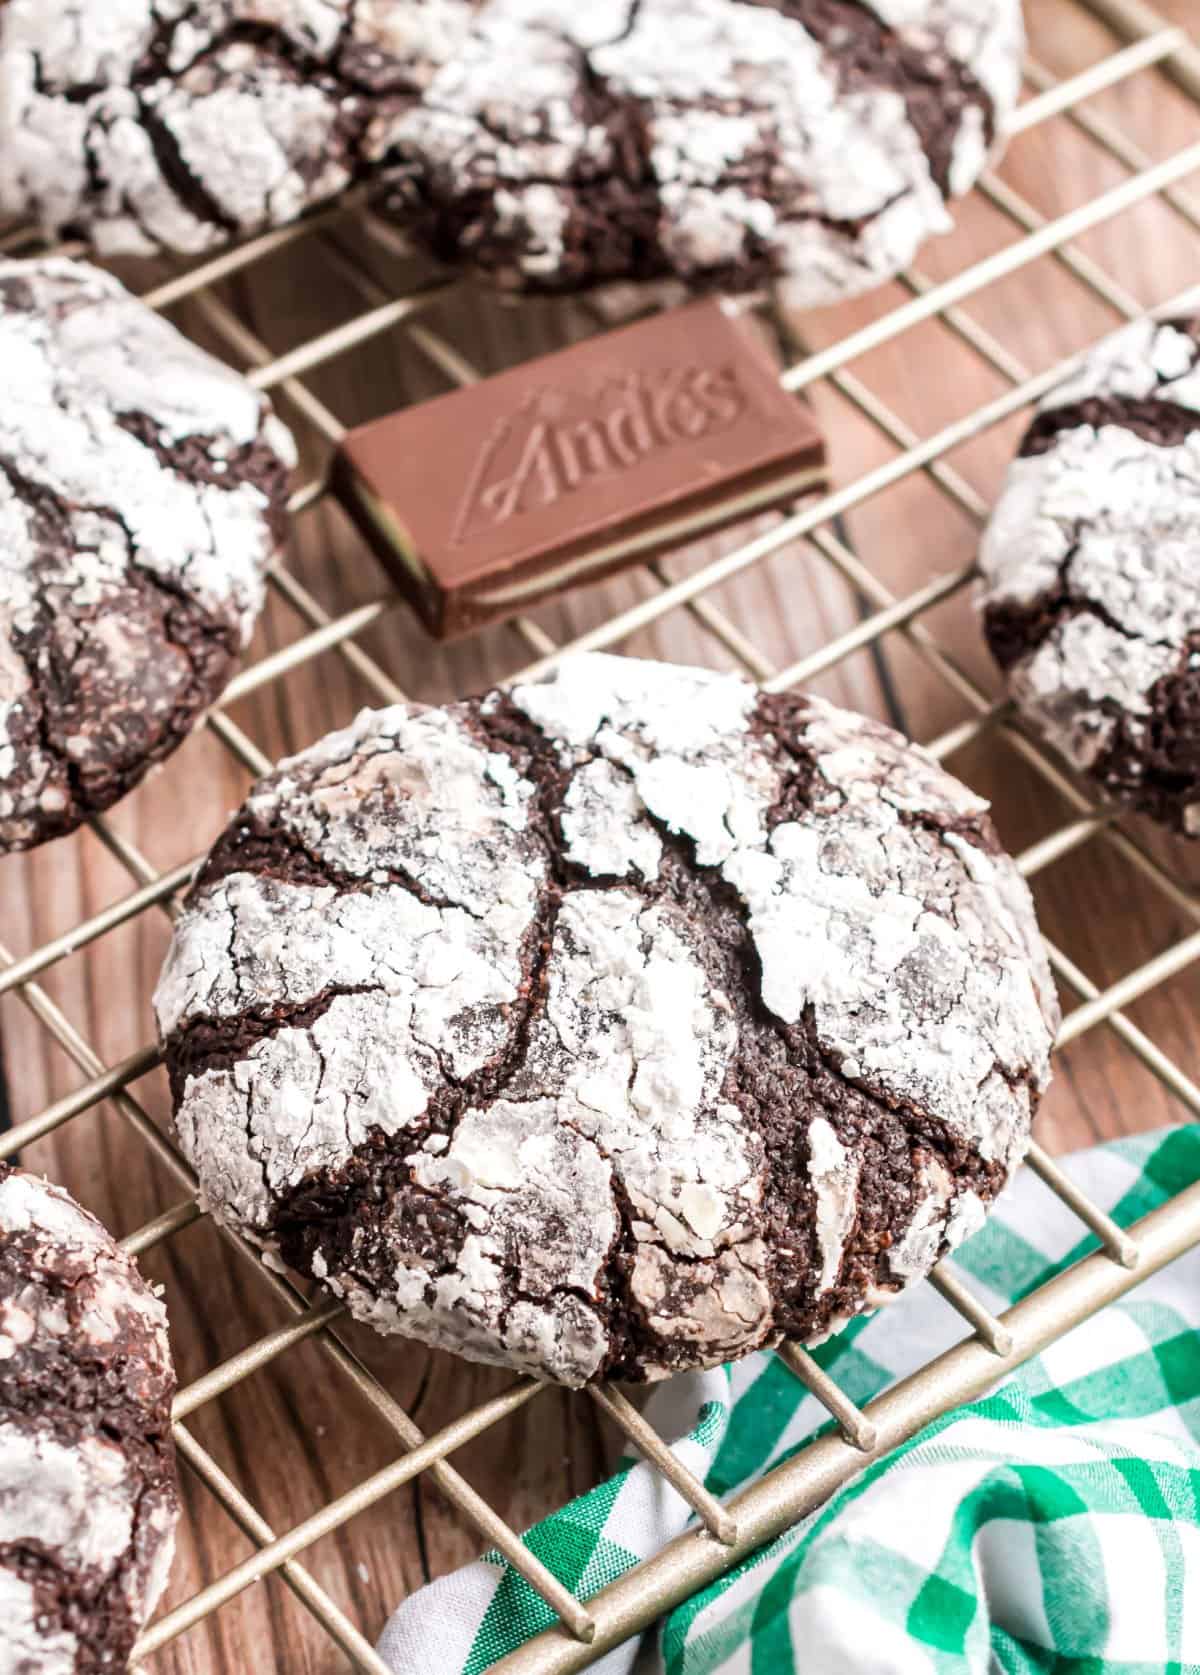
<point>294,1435</point>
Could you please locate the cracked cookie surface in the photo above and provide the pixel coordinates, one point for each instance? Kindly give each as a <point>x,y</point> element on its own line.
<point>814,143</point>
<point>142,488</point>
<point>551,145</point>
<point>611,1025</point>
<point>1091,597</point>
<point>150,125</point>
<point>88,1498</point>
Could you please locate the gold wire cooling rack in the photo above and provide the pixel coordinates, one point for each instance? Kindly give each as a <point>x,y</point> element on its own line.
<point>1136,42</point>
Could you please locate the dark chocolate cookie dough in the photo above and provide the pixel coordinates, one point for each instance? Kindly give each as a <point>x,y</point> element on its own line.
<point>616,1024</point>
<point>142,488</point>
<point>1091,566</point>
<point>551,144</point>
<point>88,1498</point>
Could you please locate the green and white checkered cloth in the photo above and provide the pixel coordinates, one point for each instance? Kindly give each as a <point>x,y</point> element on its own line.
<point>1054,1526</point>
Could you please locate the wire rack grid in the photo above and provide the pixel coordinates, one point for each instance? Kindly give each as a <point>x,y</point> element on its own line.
<point>1142,43</point>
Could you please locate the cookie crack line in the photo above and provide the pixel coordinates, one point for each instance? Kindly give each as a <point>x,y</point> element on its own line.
<point>1016,629</point>
<point>179,176</point>
<point>257,852</point>
<point>210,1041</point>
<point>1090,605</point>
<point>68,1598</point>
<point>86,1386</point>
<point>884,54</point>
<point>142,512</point>
<point>269,39</point>
<point>630,24</point>
<point>1155,419</point>
<point>204,460</point>
<point>214,635</point>
<point>272,44</point>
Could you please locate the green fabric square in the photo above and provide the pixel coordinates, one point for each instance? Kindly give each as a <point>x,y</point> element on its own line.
<point>941,1615</point>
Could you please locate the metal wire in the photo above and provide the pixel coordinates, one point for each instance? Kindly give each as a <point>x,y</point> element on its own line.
<point>347,235</point>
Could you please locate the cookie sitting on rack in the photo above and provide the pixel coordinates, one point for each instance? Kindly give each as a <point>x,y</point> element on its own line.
<point>548,144</point>
<point>1091,589</point>
<point>142,497</point>
<point>617,1024</point>
<point>727,143</point>
<point>149,126</point>
<point>88,1498</point>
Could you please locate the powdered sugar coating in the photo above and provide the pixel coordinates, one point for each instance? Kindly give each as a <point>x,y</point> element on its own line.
<point>512,998</point>
<point>86,1471</point>
<point>139,481</point>
<point>28,1649</point>
<point>58,1237</point>
<point>925,983</point>
<point>154,125</point>
<point>1088,564</point>
<point>80,1501</point>
<point>1148,359</point>
<point>834,1173</point>
<point>712,139</point>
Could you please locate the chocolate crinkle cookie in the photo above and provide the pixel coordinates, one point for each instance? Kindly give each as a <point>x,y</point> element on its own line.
<point>150,125</point>
<point>142,493</point>
<point>1090,567</point>
<point>549,143</point>
<point>724,142</point>
<point>88,1499</point>
<point>613,1025</point>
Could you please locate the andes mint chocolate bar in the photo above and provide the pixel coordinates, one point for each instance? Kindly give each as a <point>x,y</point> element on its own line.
<point>577,464</point>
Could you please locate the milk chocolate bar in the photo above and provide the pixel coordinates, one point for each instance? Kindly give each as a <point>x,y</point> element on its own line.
<point>578,464</point>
